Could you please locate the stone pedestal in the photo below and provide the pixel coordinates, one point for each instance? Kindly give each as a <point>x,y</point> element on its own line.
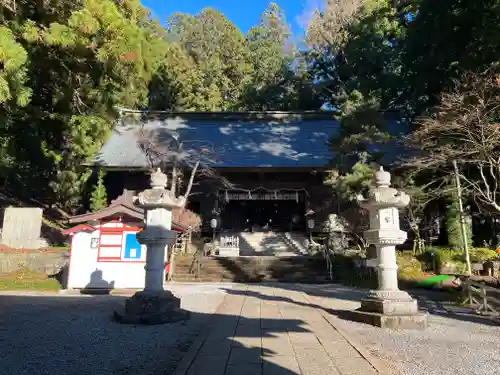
<point>387,307</point>
<point>396,310</point>
<point>154,305</point>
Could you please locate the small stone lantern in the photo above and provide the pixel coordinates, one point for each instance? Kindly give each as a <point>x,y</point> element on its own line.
<point>387,306</point>
<point>154,305</point>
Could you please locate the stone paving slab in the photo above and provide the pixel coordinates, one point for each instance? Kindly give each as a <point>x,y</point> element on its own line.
<point>261,330</point>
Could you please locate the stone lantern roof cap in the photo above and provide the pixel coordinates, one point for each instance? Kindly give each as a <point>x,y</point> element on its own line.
<point>382,178</point>
<point>158,179</point>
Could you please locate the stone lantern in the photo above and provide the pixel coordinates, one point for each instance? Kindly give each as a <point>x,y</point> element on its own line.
<point>387,306</point>
<point>154,305</point>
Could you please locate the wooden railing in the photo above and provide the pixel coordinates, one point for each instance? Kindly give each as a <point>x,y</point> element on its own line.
<point>231,241</point>
<point>485,299</point>
<point>197,263</point>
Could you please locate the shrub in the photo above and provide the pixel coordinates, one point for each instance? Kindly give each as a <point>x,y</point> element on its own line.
<point>410,268</point>
<point>428,260</point>
<point>481,254</point>
<point>444,255</point>
<point>436,258</point>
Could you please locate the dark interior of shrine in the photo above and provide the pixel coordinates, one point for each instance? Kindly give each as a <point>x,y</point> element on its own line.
<point>263,215</point>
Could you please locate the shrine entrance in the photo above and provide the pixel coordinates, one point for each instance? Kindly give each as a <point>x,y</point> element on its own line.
<point>263,211</point>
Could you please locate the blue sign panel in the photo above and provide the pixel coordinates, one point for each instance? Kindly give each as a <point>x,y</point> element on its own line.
<point>132,247</point>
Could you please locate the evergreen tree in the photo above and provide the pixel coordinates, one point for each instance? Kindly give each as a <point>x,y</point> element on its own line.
<point>13,75</point>
<point>99,197</point>
<point>444,39</point>
<point>217,48</point>
<point>84,59</point>
<point>279,80</point>
<point>355,57</point>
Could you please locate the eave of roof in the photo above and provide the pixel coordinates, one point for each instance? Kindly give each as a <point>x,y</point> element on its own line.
<point>122,206</point>
<point>106,213</point>
<point>234,116</point>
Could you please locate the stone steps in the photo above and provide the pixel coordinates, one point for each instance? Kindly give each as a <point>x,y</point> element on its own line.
<point>249,279</point>
<point>297,241</point>
<point>264,243</point>
<point>253,269</point>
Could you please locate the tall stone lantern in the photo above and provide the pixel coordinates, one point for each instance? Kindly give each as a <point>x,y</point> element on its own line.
<point>387,306</point>
<point>154,305</point>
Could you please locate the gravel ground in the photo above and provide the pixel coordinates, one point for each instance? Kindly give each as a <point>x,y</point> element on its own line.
<point>457,341</point>
<point>75,335</point>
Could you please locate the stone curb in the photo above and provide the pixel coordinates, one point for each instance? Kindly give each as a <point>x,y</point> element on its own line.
<point>186,361</point>
<point>124,292</point>
<point>27,292</point>
<point>379,365</point>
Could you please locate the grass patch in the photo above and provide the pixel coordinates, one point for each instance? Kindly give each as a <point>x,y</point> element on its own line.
<point>57,248</point>
<point>25,279</point>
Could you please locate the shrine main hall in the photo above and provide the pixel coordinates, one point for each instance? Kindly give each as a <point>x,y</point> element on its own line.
<point>273,164</point>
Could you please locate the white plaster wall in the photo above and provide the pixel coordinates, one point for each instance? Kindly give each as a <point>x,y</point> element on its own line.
<point>86,272</point>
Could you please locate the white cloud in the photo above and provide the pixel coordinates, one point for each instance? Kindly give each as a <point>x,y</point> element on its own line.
<point>238,128</point>
<point>272,147</point>
<point>320,135</point>
<point>284,130</point>
<point>169,124</point>
<point>226,130</point>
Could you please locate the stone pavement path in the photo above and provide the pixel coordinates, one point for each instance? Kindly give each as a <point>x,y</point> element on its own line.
<point>262,330</point>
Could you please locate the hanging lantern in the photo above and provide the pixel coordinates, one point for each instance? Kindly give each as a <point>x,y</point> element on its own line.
<point>311,224</point>
<point>213,223</point>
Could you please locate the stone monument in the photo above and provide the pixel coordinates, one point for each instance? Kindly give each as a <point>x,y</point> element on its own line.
<point>154,305</point>
<point>22,227</point>
<point>387,307</point>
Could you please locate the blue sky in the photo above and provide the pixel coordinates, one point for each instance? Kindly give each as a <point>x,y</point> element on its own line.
<point>243,14</point>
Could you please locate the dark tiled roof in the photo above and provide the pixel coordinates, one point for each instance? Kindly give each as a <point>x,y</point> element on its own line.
<point>286,139</point>
<point>279,140</point>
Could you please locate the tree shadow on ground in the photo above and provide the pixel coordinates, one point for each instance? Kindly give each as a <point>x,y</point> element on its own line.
<point>433,302</point>
<point>35,329</point>
<point>446,297</point>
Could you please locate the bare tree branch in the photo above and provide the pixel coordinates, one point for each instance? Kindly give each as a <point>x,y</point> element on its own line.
<point>164,149</point>
<point>191,179</point>
<point>465,127</point>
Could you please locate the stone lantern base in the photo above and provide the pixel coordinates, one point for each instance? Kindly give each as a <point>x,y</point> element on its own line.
<point>151,308</point>
<point>390,309</point>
